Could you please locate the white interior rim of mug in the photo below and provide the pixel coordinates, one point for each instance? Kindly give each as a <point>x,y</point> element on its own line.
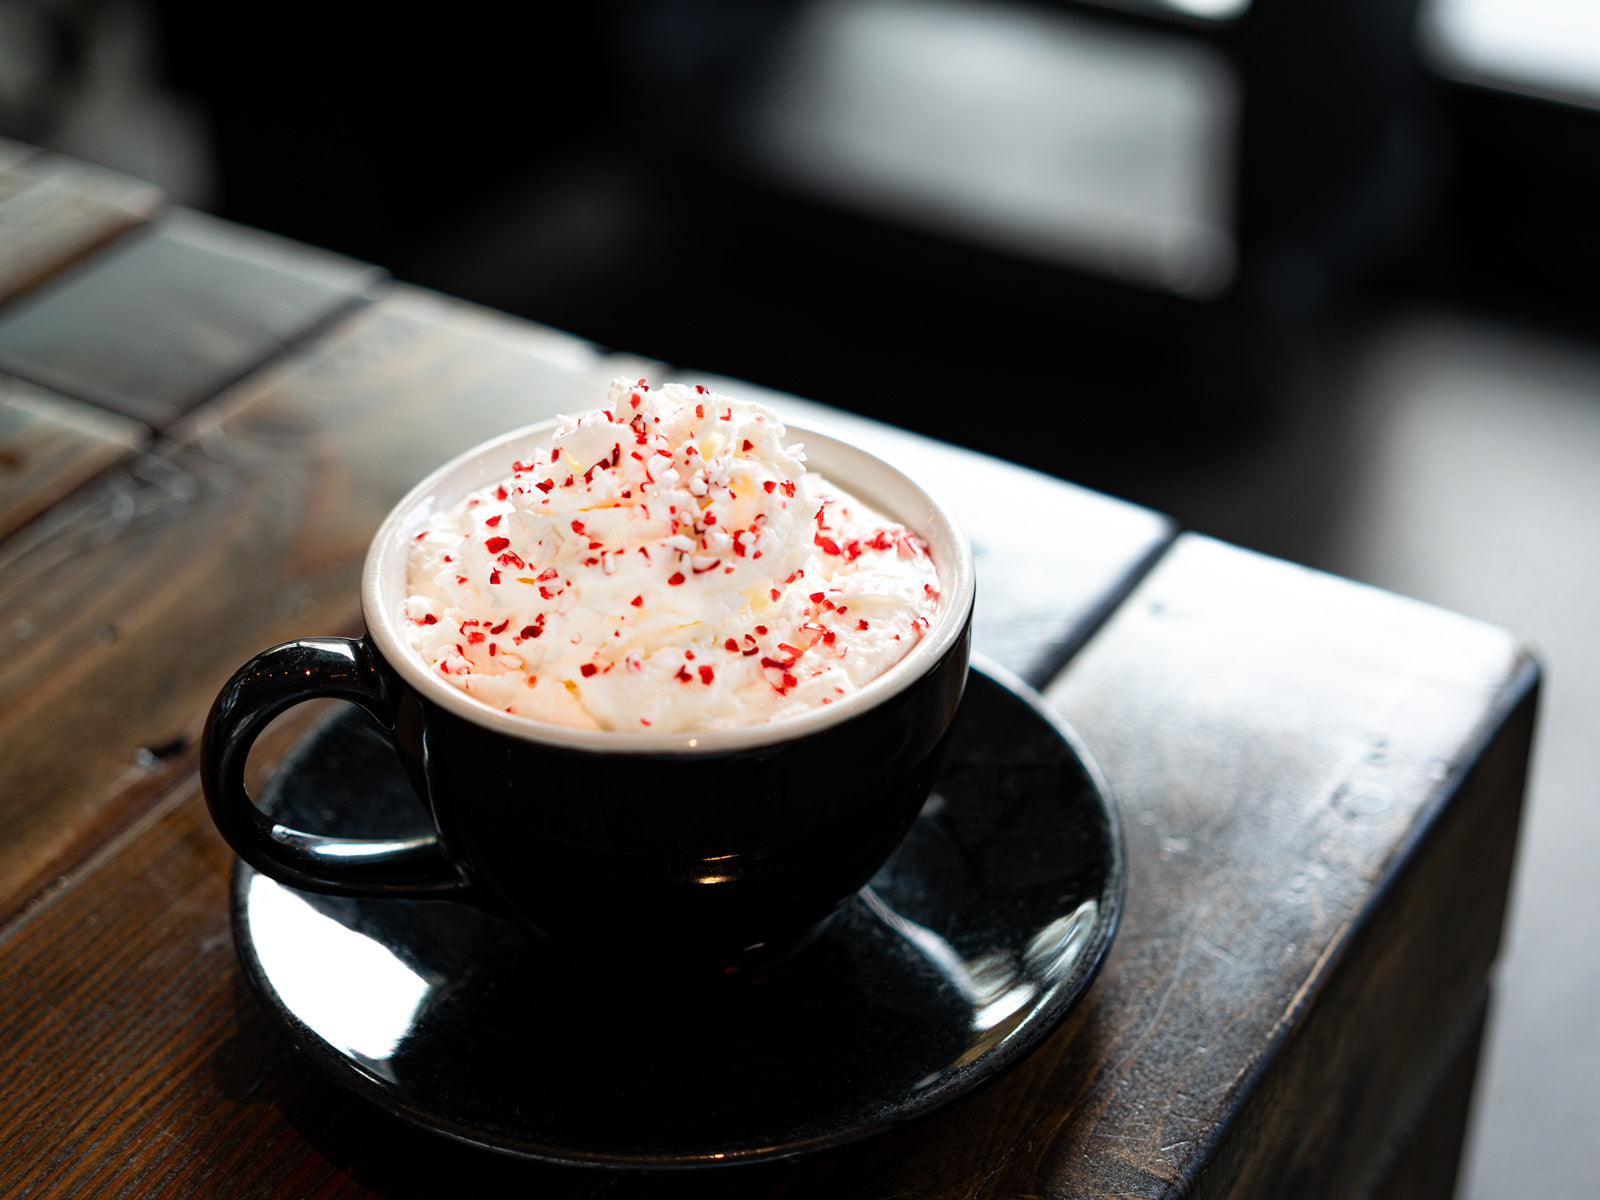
<point>869,478</point>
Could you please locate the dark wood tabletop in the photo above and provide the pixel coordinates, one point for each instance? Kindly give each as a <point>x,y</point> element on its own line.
<point>201,427</point>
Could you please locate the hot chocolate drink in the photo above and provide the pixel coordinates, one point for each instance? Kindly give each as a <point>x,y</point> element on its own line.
<point>668,565</point>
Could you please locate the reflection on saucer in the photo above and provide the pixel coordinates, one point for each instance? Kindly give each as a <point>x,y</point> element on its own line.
<point>969,946</point>
<point>351,991</point>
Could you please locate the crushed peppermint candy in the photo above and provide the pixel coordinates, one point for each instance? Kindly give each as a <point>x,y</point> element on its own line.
<point>743,557</point>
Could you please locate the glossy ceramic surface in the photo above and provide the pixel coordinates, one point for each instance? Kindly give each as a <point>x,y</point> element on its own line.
<point>983,929</point>
<point>722,848</point>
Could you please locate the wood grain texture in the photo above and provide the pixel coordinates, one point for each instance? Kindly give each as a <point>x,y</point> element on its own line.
<point>251,529</point>
<point>398,389</point>
<point>155,326</point>
<point>1316,778</point>
<point>172,856</point>
<point>128,604</point>
<point>252,526</point>
<point>49,445</point>
<point>55,211</point>
<point>118,602</point>
<point>1316,754</point>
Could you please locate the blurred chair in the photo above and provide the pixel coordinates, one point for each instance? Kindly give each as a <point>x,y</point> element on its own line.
<point>1203,148</point>
<point>1140,203</point>
<point>1175,184</point>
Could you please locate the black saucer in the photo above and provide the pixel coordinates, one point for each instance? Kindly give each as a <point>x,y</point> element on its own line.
<point>971,944</point>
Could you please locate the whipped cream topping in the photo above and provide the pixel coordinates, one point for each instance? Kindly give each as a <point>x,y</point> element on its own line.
<point>669,565</point>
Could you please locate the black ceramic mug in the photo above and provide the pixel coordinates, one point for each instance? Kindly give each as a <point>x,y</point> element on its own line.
<point>714,848</point>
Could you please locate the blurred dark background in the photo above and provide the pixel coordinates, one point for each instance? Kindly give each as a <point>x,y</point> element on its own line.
<point>1316,276</point>
<point>1144,209</point>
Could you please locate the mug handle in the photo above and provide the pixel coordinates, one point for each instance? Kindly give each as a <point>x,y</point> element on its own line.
<point>275,680</point>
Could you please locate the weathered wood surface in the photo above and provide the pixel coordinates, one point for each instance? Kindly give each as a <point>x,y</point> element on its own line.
<point>55,211</point>
<point>393,392</point>
<point>1320,842</point>
<point>49,445</point>
<point>1321,782</point>
<point>1053,558</point>
<point>121,1030</point>
<point>130,603</point>
<point>1321,785</point>
<point>176,315</point>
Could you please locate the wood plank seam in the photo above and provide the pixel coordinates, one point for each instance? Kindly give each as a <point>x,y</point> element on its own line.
<point>84,254</point>
<point>1041,678</point>
<point>301,340</point>
<point>33,424</point>
<point>1378,704</point>
<point>307,1166</point>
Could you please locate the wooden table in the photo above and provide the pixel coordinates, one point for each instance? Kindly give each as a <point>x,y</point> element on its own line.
<point>200,426</point>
